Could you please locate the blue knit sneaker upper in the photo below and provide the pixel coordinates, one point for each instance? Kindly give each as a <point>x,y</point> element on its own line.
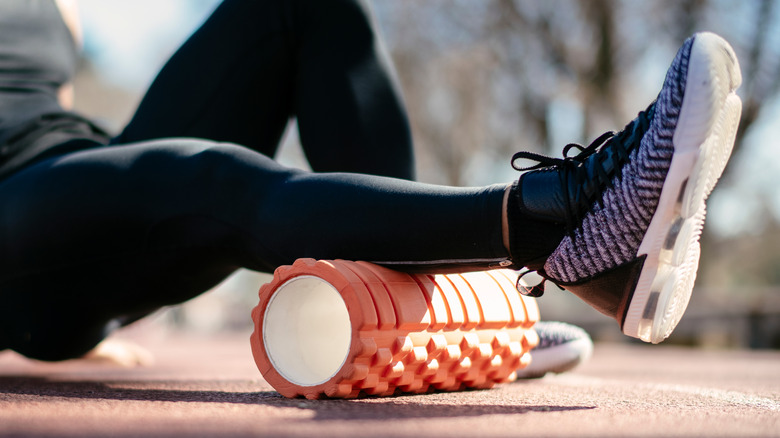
<point>611,231</point>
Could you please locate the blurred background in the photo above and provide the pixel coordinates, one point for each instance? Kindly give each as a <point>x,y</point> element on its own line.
<point>484,79</point>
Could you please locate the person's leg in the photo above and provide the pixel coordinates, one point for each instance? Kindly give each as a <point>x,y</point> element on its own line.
<point>253,65</point>
<point>120,231</point>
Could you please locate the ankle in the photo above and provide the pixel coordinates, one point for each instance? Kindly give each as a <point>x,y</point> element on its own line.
<point>528,239</point>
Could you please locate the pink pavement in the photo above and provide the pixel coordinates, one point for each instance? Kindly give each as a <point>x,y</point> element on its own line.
<point>210,386</point>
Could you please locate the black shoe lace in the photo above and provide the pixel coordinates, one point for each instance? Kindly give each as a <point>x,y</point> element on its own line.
<point>575,169</point>
<point>535,291</point>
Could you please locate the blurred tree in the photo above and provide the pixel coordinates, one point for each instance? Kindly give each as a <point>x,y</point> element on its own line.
<point>760,65</point>
<point>590,54</point>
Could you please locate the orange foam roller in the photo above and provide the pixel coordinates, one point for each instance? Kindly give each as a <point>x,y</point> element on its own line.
<point>339,328</point>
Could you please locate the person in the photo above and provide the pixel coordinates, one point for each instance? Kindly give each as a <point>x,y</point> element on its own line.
<point>98,230</point>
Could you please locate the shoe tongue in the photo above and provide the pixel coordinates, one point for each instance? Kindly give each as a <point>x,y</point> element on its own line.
<point>542,195</point>
<point>605,157</point>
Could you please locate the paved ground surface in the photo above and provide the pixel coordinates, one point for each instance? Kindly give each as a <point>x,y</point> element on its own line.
<point>207,386</point>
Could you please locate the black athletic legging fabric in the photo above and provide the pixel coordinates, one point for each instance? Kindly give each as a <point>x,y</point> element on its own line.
<point>187,193</point>
<point>255,64</point>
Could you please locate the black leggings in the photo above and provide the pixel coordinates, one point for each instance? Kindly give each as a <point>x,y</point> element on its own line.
<point>92,239</point>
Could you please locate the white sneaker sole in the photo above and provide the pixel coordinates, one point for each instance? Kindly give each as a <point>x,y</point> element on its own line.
<point>703,140</point>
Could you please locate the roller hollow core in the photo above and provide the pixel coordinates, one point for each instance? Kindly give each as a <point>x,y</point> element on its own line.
<point>306,330</point>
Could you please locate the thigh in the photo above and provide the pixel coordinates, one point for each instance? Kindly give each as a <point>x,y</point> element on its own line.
<point>110,233</point>
<point>255,64</point>
<point>351,115</point>
<point>231,81</point>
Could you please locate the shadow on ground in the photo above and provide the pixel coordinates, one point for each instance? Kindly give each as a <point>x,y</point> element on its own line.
<point>370,408</point>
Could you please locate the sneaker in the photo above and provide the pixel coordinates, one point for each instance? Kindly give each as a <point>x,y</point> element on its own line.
<point>562,347</point>
<point>634,202</point>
